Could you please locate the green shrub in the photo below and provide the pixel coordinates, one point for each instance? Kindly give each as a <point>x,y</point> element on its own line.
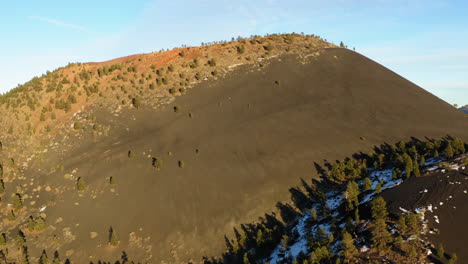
<point>80,184</point>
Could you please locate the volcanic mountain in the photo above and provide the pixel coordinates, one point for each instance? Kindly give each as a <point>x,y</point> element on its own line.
<point>160,155</point>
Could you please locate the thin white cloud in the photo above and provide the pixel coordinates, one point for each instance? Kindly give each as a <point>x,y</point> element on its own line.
<point>61,23</point>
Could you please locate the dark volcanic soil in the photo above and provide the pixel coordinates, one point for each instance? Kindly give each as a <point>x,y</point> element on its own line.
<point>258,133</point>
<point>448,194</point>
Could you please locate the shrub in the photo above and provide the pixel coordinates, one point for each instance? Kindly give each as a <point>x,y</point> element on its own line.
<point>240,49</point>
<point>181,164</point>
<point>136,102</point>
<point>80,184</point>
<point>157,163</point>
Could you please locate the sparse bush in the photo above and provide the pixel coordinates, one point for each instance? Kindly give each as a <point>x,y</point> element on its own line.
<point>77,125</point>
<point>176,109</point>
<point>240,49</point>
<point>212,62</point>
<point>181,164</point>
<point>130,154</point>
<point>80,184</point>
<point>112,180</point>
<point>136,102</point>
<point>157,163</point>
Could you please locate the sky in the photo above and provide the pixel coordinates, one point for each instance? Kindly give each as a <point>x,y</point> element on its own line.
<point>425,41</point>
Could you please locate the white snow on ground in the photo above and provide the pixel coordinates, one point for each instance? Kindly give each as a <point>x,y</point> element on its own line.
<point>333,201</point>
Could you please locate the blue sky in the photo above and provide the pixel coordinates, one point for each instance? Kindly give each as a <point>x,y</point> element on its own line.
<point>424,41</point>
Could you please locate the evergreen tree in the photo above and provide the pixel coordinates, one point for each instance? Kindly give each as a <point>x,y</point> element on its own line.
<point>356,215</point>
<point>436,153</point>
<point>449,150</point>
<point>80,184</point>
<point>313,214</point>
<point>453,259</point>
<point>3,239</point>
<point>11,216</point>
<point>366,184</point>
<point>56,258</point>
<point>43,259</point>
<point>378,188</point>
<point>402,224</point>
<point>352,193</point>
<point>379,209</point>
<point>440,251</point>
<point>416,171</point>
<point>348,250</point>
<point>113,240</point>
<point>17,201</point>
<point>422,162</point>
<point>380,235</point>
<point>246,259</point>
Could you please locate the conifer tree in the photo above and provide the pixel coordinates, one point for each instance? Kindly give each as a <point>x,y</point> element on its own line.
<point>449,150</point>
<point>3,239</point>
<point>379,209</point>
<point>56,258</point>
<point>416,171</point>
<point>43,259</point>
<point>440,251</point>
<point>367,184</point>
<point>348,250</point>
<point>378,188</point>
<point>313,214</point>
<point>352,193</point>
<point>17,201</point>
<point>80,184</point>
<point>113,240</point>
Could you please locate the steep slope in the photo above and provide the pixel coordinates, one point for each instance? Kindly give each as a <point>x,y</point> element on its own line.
<point>231,146</point>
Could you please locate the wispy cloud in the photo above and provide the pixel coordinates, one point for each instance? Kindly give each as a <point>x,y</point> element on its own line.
<point>61,23</point>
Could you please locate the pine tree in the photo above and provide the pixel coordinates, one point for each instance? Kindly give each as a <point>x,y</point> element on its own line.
<point>380,235</point>
<point>56,258</point>
<point>246,259</point>
<point>379,209</point>
<point>17,201</point>
<point>352,193</point>
<point>357,218</point>
<point>416,171</point>
<point>113,240</point>
<point>440,251</point>
<point>80,184</point>
<point>43,259</point>
<point>11,216</point>
<point>378,188</point>
<point>367,184</point>
<point>348,250</point>
<point>449,150</point>
<point>422,162</point>
<point>20,239</point>
<point>313,214</point>
<point>3,239</point>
